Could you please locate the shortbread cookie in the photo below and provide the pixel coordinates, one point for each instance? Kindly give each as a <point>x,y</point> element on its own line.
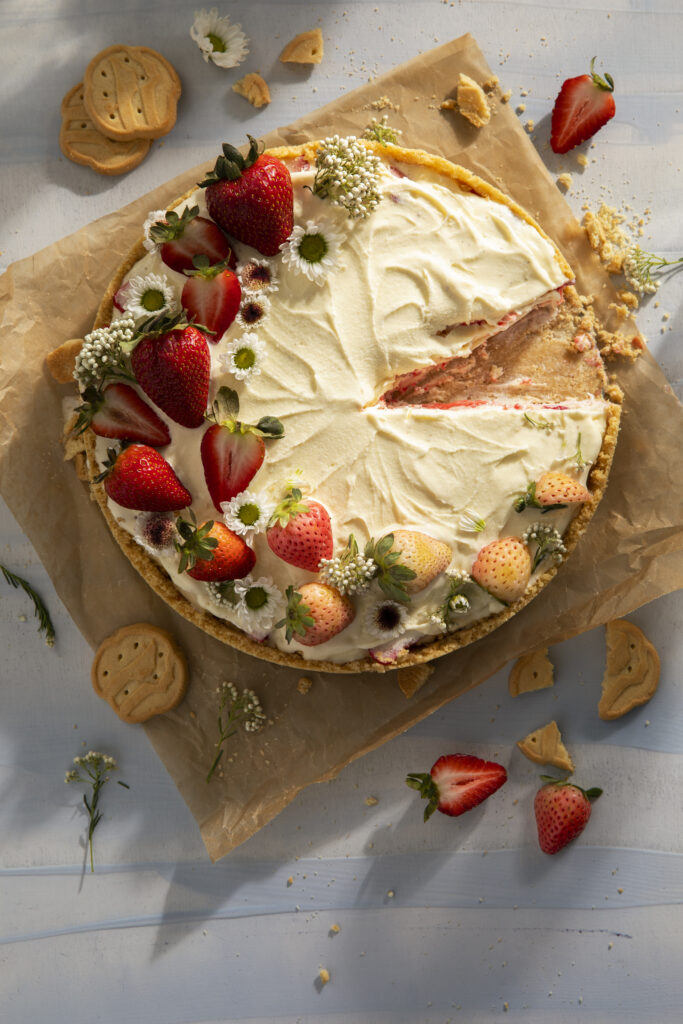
<point>254,89</point>
<point>140,671</point>
<point>80,141</point>
<point>545,746</point>
<point>632,671</point>
<point>531,672</point>
<point>306,48</point>
<point>131,92</point>
<point>61,362</point>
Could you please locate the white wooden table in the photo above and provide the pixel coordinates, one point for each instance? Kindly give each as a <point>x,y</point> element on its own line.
<point>456,920</point>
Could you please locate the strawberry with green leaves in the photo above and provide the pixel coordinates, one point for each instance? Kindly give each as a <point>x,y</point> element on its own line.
<point>553,491</point>
<point>456,783</point>
<point>315,613</point>
<point>300,533</point>
<point>251,197</point>
<point>562,811</point>
<point>211,296</point>
<point>117,411</point>
<point>503,568</point>
<point>140,478</point>
<point>232,452</point>
<point>181,238</point>
<point>172,365</point>
<point>392,575</point>
<point>212,553</point>
<point>425,555</point>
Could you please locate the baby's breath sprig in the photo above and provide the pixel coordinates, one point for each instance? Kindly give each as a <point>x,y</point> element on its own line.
<point>350,572</point>
<point>101,354</point>
<point>577,457</point>
<point>639,266</point>
<point>455,602</point>
<point>548,541</point>
<point>44,621</point>
<point>347,174</point>
<point>539,423</point>
<point>243,709</point>
<point>96,768</point>
<point>380,131</point>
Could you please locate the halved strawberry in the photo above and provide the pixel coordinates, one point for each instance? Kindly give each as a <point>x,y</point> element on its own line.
<point>211,296</point>
<point>503,567</point>
<point>182,238</point>
<point>140,478</point>
<point>584,104</point>
<point>118,412</point>
<point>456,783</point>
<point>172,365</point>
<point>211,552</point>
<point>232,452</point>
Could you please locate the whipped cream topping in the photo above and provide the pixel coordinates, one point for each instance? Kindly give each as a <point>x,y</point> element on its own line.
<point>429,275</point>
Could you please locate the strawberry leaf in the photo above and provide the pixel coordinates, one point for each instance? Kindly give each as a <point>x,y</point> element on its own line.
<point>297,616</point>
<point>271,426</point>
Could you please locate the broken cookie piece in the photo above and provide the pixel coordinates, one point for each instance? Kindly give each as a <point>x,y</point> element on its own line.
<point>531,672</point>
<point>471,102</point>
<point>306,48</point>
<point>254,89</point>
<point>632,673</point>
<point>545,746</point>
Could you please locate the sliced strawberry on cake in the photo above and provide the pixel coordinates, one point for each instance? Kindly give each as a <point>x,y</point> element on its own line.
<point>118,412</point>
<point>181,238</point>
<point>211,297</point>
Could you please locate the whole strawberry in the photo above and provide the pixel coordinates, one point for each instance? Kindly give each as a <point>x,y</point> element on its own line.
<point>300,533</point>
<point>211,552</point>
<point>425,555</point>
<point>562,811</point>
<point>172,365</point>
<point>316,613</point>
<point>140,478</point>
<point>251,197</point>
<point>552,491</point>
<point>456,783</point>
<point>503,567</point>
<point>584,104</point>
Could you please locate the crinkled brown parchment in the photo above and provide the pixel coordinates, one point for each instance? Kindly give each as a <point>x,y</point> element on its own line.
<point>631,553</point>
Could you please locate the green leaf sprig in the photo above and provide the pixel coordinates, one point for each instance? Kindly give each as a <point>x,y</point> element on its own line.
<point>45,622</point>
<point>96,768</point>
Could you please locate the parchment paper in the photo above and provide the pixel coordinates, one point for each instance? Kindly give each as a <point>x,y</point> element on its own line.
<point>631,553</point>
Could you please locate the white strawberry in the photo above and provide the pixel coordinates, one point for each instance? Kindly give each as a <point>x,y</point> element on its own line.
<point>503,568</point>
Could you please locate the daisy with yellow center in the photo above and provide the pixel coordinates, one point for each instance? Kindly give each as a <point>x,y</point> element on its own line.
<point>247,513</point>
<point>152,295</point>
<point>221,42</point>
<point>312,250</point>
<point>243,356</point>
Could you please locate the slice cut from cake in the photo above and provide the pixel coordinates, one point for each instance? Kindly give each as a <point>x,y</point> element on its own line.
<point>407,417</point>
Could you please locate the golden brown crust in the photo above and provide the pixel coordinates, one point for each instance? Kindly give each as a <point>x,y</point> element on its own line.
<point>162,584</point>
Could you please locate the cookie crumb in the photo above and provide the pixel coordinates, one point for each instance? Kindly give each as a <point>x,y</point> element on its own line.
<point>254,89</point>
<point>304,684</point>
<point>582,159</point>
<point>506,96</point>
<point>371,801</point>
<point>564,180</point>
<point>290,881</point>
<point>472,102</point>
<point>324,975</point>
<point>520,108</point>
<point>335,929</point>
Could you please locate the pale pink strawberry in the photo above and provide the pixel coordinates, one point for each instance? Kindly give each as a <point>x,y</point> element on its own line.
<point>300,533</point>
<point>425,555</point>
<point>560,489</point>
<point>503,568</point>
<point>316,613</point>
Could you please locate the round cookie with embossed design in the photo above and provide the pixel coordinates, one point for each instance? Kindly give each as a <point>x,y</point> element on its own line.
<point>340,406</point>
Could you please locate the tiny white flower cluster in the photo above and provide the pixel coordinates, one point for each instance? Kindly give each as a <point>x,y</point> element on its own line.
<point>380,131</point>
<point>637,270</point>
<point>549,543</point>
<point>247,703</point>
<point>223,594</point>
<point>348,175</point>
<point>101,352</point>
<point>455,602</point>
<point>349,574</point>
<point>91,761</point>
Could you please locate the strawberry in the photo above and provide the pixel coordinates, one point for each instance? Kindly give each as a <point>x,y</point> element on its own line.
<point>562,811</point>
<point>503,568</point>
<point>232,452</point>
<point>584,104</point>
<point>118,411</point>
<point>456,783</point>
<point>211,552</point>
<point>182,238</point>
<point>552,491</point>
<point>316,613</point>
<point>172,365</point>
<point>300,534</point>
<point>140,478</point>
<point>251,197</point>
<point>211,296</point>
<point>425,555</point>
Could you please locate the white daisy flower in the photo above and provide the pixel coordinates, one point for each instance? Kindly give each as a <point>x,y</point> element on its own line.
<point>247,513</point>
<point>312,250</point>
<point>252,310</point>
<point>470,522</point>
<point>156,532</point>
<point>243,356</point>
<point>152,218</point>
<point>257,276</point>
<point>152,295</point>
<point>386,619</point>
<point>219,40</point>
<point>260,604</point>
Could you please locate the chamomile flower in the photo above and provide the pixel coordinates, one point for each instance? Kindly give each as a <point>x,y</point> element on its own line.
<point>259,604</point>
<point>243,356</point>
<point>470,522</point>
<point>252,310</point>
<point>257,276</point>
<point>219,40</point>
<point>152,218</point>
<point>156,532</point>
<point>386,620</point>
<point>312,250</point>
<point>151,295</point>
<point>247,513</point>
